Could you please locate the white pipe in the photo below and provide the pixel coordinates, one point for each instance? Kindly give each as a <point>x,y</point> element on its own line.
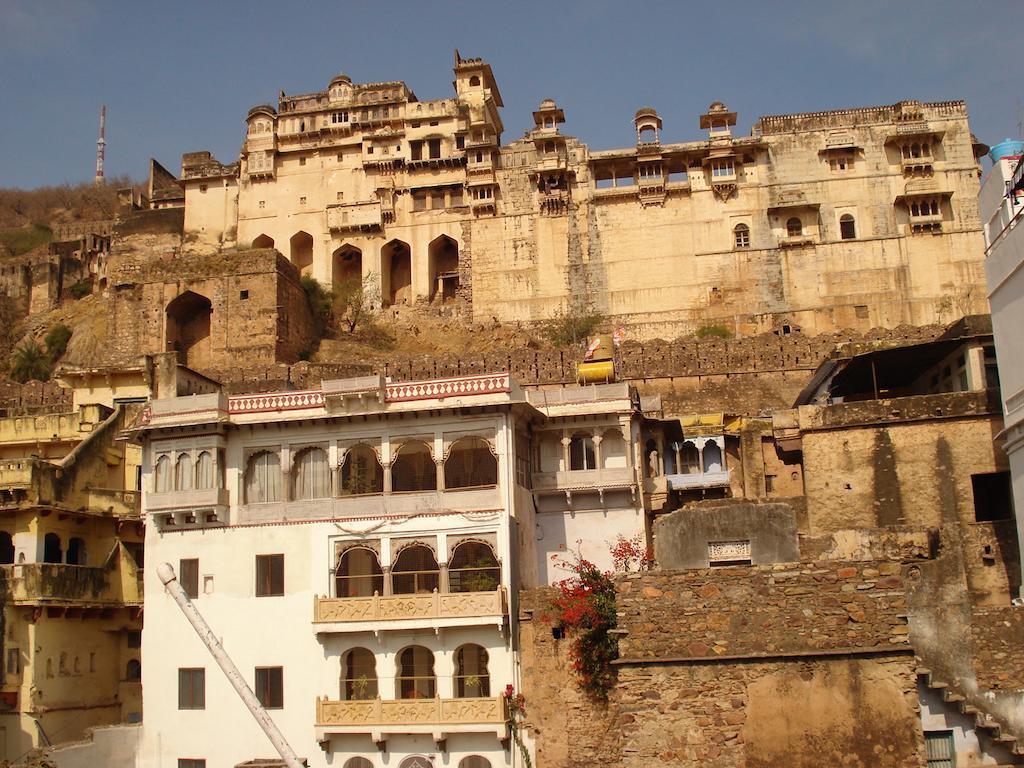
<point>175,590</point>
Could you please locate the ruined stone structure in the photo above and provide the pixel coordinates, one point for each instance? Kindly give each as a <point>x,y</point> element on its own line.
<point>847,219</point>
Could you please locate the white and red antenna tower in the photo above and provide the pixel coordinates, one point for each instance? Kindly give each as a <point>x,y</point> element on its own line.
<point>101,146</point>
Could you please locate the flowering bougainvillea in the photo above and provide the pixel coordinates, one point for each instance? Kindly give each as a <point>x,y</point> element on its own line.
<point>585,606</point>
<point>627,553</point>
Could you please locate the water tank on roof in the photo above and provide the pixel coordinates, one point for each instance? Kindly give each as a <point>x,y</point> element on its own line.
<point>1006,148</point>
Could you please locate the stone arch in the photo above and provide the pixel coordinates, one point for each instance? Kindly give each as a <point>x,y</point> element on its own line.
<point>396,272</point>
<point>263,241</point>
<point>443,261</point>
<point>346,264</point>
<point>300,251</point>
<point>188,328</point>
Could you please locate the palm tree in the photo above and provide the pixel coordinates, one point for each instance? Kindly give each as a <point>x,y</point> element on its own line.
<point>30,362</point>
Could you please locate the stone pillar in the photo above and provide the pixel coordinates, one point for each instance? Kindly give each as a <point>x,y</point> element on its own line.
<point>387,580</point>
<point>443,586</point>
<point>386,468</point>
<point>335,482</point>
<point>597,451</point>
<point>565,454</point>
<point>440,473</point>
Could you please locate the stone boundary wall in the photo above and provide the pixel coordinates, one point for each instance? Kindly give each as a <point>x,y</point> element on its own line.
<point>997,633</point>
<point>33,397</point>
<point>751,611</point>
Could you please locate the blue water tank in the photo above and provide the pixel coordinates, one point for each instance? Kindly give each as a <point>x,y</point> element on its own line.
<point>1006,148</point>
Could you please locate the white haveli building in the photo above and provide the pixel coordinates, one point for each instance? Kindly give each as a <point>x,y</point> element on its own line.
<point>357,549</point>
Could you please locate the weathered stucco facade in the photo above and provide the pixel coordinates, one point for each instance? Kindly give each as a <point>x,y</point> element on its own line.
<point>846,219</point>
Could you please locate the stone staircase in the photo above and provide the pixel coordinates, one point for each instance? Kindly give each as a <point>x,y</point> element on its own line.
<point>984,723</point>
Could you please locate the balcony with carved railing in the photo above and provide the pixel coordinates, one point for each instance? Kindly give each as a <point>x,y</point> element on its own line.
<point>699,480</point>
<point>583,479</point>
<point>438,717</point>
<point>403,612</point>
<point>354,216</point>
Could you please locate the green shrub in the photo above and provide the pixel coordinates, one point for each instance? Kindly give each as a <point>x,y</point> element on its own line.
<point>80,290</point>
<point>573,326</point>
<point>320,301</point>
<point>56,341</point>
<point>23,239</point>
<point>713,332</point>
<point>29,362</point>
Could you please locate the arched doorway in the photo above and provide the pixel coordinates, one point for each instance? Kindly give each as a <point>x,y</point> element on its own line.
<point>263,241</point>
<point>301,251</point>
<point>6,548</point>
<point>347,265</point>
<point>396,261</point>
<point>188,328</point>
<point>443,256</point>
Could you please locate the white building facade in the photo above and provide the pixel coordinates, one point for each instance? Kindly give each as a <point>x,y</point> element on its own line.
<point>1001,203</point>
<point>357,550</point>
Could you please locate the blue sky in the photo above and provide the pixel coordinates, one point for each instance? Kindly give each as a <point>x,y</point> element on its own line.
<point>179,76</point>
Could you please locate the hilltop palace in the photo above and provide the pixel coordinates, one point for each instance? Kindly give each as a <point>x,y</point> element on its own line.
<point>853,218</point>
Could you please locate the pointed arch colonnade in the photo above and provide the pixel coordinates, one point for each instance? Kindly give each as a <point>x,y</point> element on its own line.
<point>403,271</point>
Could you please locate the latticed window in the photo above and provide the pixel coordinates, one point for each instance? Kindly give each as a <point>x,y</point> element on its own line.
<point>794,227</point>
<point>940,749</point>
<point>741,236</point>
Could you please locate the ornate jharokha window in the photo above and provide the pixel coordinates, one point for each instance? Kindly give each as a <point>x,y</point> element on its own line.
<point>470,464</point>
<point>414,469</point>
<point>358,675</point>
<point>473,568</point>
<point>471,677</point>
<point>358,574</point>
<point>164,481</point>
<point>183,473</point>
<point>312,474</point>
<point>263,478</point>
<point>794,227</point>
<point>416,679</point>
<point>361,471</point>
<point>415,571</point>
<point>204,471</point>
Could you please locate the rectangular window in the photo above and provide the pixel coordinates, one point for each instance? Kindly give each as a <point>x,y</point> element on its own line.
<point>188,577</point>
<point>434,146</point>
<point>723,169</point>
<point>993,496</point>
<point>192,688</point>
<point>13,661</point>
<point>270,687</point>
<point>460,142</point>
<point>302,161</point>
<point>133,639</point>
<point>191,762</point>
<point>415,150</point>
<point>456,198</point>
<point>437,200</point>
<point>419,202</point>
<point>269,575</point>
<point>938,746</point>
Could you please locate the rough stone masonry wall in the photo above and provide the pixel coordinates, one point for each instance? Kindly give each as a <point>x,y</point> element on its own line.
<point>997,634</point>
<point>790,608</point>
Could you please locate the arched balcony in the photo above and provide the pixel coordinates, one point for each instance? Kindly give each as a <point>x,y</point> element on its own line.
<point>413,468</point>
<point>361,472</point>
<point>358,675</point>
<point>470,463</point>
<point>358,574</point>
<point>415,571</point>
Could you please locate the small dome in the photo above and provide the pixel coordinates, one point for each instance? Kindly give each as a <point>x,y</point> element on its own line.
<point>645,112</point>
<point>548,104</point>
<point>340,79</point>
<point>262,109</point>
<point>717,106</point>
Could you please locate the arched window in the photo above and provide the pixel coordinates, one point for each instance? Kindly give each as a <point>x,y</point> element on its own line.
<point>712,457</point>
<point>474,80</point>
<point>183,473</point>
<point>473,568</point>
<point>581,452</point>
<point>474,761</point>
<point>471,678</point>
<point>741,236</point>
<point>416,679</point>
<point>133,671</point>
<point>76,551</point>
<point>361,471</point>
<point>6,548</point>
<point>847,227</point>
<point>358,574</point>
<point>794,227</point>
<point>415,571</point>
<point>689,457</point>
<point>358,675</point>
<point>414,469</point>
<point>549,147</point>
<point>358,762</point>
<point>163,474</point>
<point>204,470</point>
<point>613,450</point>
<point>312,474</point>
<point>470,463</point>
<point>52,552</point>
<point>263,478</point>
